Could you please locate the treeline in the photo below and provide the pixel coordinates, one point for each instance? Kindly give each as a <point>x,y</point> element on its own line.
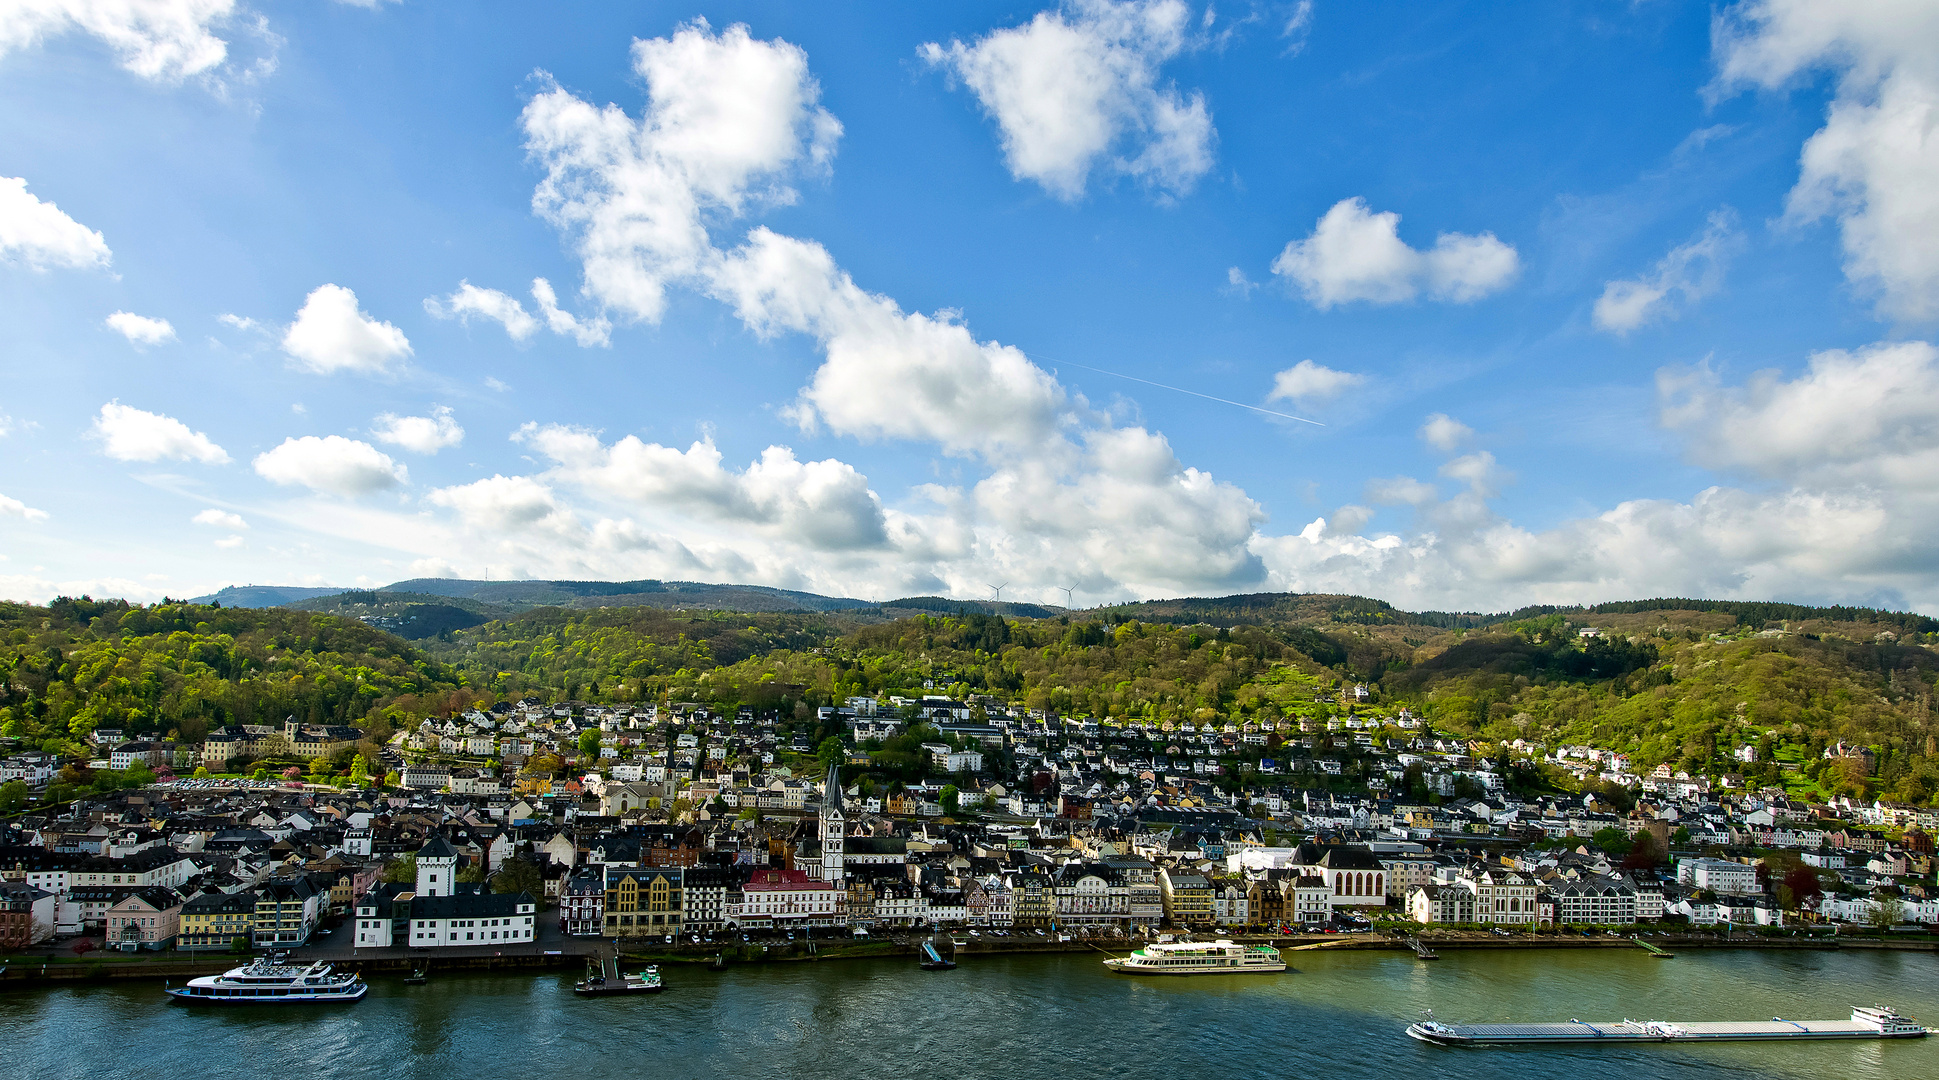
<point>180,669</point>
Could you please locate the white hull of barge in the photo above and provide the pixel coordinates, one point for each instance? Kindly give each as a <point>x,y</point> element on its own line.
<point>1874,1023</point>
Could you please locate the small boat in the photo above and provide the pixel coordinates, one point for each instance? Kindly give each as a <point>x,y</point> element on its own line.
<point>608,981</point>
<point>933,960</point>
<point>266,982</point>
<point>418,976</point>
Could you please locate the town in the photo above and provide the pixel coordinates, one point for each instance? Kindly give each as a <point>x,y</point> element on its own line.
<point>674,823</point>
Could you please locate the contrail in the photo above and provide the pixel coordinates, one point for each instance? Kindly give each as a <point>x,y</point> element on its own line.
<point>1182,390</point>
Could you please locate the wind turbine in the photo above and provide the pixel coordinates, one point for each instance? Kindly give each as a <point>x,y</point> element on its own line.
<point>1070,595</point>
<point>996,592</point>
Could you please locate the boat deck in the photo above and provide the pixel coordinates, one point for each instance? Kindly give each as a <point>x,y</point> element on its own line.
<point>1576,1031</point>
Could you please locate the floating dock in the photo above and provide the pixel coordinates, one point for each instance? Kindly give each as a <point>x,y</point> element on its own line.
<point>1865,1023</point>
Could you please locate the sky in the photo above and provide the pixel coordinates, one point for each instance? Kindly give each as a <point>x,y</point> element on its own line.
<point>1462,307</point>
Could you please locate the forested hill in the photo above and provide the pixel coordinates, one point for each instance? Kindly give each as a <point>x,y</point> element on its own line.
<point>1690,686</point>
<point>77,665</point>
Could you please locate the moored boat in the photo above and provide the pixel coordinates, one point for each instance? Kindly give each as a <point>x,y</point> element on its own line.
<point>267,982</point>
<point>1877,1022</point>
<point>1221,957</point>
<point>607,980</point>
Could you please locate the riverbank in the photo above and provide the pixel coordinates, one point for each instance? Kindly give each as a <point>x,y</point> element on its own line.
<point>572,953</point>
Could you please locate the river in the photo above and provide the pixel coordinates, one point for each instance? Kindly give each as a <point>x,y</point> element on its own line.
<point>1336,1015</point>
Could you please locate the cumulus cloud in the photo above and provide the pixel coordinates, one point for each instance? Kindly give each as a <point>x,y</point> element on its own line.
<point>1356,254</point>
<point>39,235</point>
<point>1865,418</point>
<point>163,40</point>
<point>332,334</point>
<point>825,504</point>
<point>1444,432</point>
<point>503,503</point>
<point>140,330</point>
<point>728,119</point>
<point>1871,165</point>
<point>10,507</point>
<point>1308,383</point>
<point>499,307</point>
<point>1077,89</point>
<point>1691,271</point>
<point>421,434</point>
<point>131,434</point>
<point>330,464</point>
<point>221,519</point>
<point>889,373</point>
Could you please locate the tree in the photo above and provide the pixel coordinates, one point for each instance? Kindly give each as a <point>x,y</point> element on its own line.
<point>359,771</point>
<point>588,744</point>
<point>519,875</point>
<point>1887,911</point>
<point>201,772</point>
<point>832,752</point>
<point>1804,885</point>
<point>950,800</point>
<point>402,870</point>
<point>13,795</point>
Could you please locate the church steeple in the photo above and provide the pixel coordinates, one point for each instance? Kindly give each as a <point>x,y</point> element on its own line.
<point>437,868</point>
<point>833,826</point>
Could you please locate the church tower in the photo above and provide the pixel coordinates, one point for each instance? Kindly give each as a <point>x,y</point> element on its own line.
<point>437,868</point>
<point>833,825</point>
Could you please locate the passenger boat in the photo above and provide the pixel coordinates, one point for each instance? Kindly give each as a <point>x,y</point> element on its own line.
<point>267,982</point>
<point>1220,957</point>
<point>1878,1022</point>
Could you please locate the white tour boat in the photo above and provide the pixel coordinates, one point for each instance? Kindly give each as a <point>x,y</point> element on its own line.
<point>266,982</point>
<point>1219,957</point>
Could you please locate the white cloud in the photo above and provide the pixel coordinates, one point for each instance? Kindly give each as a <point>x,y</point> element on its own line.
<point>587,332</point>
<point>238,321</point>
<point>1308,383</point>
<point>1691,270</point>
<point>221,519</point>
<point>422,434</point>
<point>1238,284</point>
<point>39,235</point>
<point>331,464</point>
<point>1862,419</point>
<point>503,503</point>
<point>140,330</point>
<point>888,373</point>
<point>131,434</point>
<point>230,542</point>
<point>15,508</point>
<point>491,304</point>
<point>1445,433</point>
<point>1871,165</point>
<point>330,335</point>
<point>164,40</point>
<point>824,504</point>
<point>1356,254</point>
<point>1078,88</point>
<point>728,118</point>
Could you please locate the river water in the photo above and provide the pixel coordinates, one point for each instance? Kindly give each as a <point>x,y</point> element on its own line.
<point>1017,1018</point>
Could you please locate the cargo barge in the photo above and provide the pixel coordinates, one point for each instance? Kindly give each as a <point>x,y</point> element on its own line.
<point>1878,1022</point>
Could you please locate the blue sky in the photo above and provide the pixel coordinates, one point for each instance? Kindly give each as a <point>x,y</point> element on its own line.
<point>1589,300</point>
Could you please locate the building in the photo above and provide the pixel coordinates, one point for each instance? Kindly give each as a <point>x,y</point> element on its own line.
<point>26,915</point>
<point>1594,901</point>
<point>787,898</point>
<point>216,920</point>
<point>642,900</point>
<point>439,911</point>
<point>144,919</point>
<point>1356,877</point>
<point>1720,876</point>
<point>1188,898</point>
<point>582,904</point>
<point>287,911</point>
<point>709,890</point>
<point>1501,895</point>
<point>1429,904</point>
